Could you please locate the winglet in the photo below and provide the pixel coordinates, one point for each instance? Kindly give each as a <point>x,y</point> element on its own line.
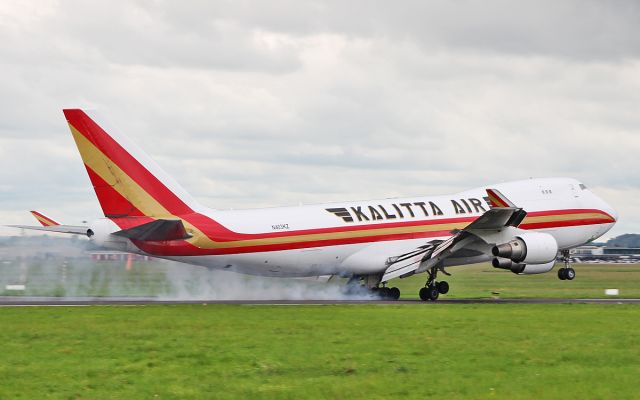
<point>44,220</point>
<point>498,200</point>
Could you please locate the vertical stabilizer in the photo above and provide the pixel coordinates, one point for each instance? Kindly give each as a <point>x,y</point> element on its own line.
<point>128,182</point>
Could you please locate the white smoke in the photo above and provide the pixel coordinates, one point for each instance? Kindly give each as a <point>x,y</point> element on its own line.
<point>63,268</point>
<point>190,282</point>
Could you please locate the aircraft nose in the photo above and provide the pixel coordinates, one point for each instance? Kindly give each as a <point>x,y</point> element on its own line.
<point>606,207</point>
<point>612,211</point>
<point>609,210</point>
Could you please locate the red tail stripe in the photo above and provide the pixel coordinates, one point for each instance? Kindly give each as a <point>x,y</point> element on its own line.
<point>125,161</point>
<point>113,203</point>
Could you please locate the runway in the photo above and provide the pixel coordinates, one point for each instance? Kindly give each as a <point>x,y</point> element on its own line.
<point>15,301</point>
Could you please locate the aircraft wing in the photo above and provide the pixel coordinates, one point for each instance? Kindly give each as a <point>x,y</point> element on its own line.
<point>502,214</point>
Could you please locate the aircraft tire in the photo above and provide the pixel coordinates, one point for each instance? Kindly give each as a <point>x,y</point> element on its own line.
<point>394,293</point>
<point>562,274</point>
<point>424,294</point>
<point>385,293</point>
<point>433,293</point>
<point>443,287</point>
<point>570,274</point>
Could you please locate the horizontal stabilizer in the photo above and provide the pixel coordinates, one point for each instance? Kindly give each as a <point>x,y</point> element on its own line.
<point>158,230</point>
<point>76,230</point>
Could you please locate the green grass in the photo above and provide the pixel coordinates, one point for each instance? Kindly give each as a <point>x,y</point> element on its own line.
<point>417,351</point>
<point>482,280</point>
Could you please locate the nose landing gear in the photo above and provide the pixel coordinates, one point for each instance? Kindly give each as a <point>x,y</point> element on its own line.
<point>566,272</point>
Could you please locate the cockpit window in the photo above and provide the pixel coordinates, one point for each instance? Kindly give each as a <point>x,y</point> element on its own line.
<point>583,187</point>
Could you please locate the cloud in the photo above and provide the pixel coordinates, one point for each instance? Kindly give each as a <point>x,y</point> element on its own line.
<point>253,104</point>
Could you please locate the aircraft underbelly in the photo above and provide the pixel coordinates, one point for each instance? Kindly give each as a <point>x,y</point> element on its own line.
<point>287,263</point>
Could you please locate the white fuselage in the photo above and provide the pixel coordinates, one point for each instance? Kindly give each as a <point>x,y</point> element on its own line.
<point>364,252</point>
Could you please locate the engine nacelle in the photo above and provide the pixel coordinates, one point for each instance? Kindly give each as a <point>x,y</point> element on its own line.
<point>524,269</point>
<point>505,263</point>
<point>101,235</point>
<point>531,269</point>
<point>529,248</point>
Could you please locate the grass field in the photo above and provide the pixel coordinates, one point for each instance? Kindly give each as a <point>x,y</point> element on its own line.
<point>337,352</point>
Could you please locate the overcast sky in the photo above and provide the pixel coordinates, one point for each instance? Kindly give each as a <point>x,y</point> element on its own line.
<point>251,104</point>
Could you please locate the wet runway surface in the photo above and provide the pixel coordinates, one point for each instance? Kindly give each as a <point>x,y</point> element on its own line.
<point>126,301</point>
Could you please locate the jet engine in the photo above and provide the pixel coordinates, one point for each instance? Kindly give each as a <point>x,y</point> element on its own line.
<point>528,248</point>
<point>528,253</point>
<point>525,269</point>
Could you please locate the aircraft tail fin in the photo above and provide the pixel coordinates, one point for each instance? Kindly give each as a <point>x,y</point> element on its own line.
<point>44,220</point>
<point>127,182</point>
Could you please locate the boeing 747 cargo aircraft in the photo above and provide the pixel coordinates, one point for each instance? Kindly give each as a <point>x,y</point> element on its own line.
<point>518,226</point>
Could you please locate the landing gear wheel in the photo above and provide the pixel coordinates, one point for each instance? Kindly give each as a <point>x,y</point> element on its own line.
<point>394,293</point>
<point>562,274</point>
<point>385,292</point>
<point>566,273</point>
<point>569,274</point>
<point>433,293</point>
<point>424,294</point>
<point>443,287</point>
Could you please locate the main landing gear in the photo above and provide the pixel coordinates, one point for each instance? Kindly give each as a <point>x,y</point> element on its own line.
<point>566,273</point>
<point>363,284</point>
<point>388,293</point>
<point>432,289</point>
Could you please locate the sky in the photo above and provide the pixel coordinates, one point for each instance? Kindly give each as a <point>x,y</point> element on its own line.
<point>253,104</point>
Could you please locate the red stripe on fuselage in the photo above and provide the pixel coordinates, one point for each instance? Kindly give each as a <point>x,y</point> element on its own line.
<point>183,248</point>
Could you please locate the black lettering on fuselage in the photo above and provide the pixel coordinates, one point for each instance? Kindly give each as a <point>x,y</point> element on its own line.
<point>342,213</point>
<point>358,213</point>
<point>422,205</point>
<point>374,213</point>
<point>477,205</point>
<point>386,214</point>
<point>400,214</point>
<point>466,205</point>
<point>408,207</point>
<point>435,209</point>
<point>457,207</point>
